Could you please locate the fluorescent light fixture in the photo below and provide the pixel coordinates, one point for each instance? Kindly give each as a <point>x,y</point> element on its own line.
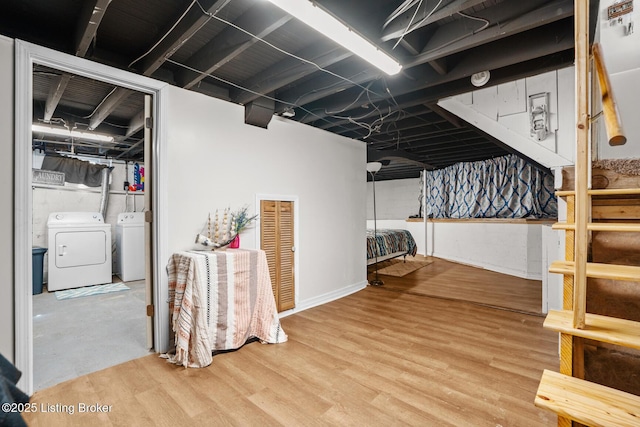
<point>321,21</point>
<point>51,130</point>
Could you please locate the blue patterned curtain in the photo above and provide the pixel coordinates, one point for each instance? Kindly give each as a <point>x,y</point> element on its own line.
<point>504,187</point>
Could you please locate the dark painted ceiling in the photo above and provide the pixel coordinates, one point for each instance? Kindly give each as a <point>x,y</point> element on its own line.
<point>251,53</point>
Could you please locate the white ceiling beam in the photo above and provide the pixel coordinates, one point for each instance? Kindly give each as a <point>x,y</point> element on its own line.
<point>56,91</point>
<point>135,124</point>
<point>108,105</point>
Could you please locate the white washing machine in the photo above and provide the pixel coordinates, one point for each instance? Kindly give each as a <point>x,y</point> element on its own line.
<point>130,246</point>
<point>79,250</point>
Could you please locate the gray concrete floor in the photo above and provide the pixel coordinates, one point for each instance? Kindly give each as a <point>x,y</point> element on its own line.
<point>78,336</point>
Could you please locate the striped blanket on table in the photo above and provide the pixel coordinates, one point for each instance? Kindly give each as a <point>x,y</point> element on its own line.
<point>218,300</point>
<point>390,241</point>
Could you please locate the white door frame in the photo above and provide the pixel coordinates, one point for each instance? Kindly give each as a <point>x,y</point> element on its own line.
<point>296,234</point>
<point>27,54</point>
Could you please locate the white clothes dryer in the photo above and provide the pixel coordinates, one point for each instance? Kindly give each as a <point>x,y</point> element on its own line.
<point>79,250</point>
<point>130,246</point>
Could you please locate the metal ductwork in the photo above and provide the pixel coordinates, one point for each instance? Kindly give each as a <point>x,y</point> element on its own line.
<point>104,199</point>
<point>259,112</point>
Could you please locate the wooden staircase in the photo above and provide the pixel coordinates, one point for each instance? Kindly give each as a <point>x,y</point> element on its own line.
<point>567,393</point>
<point>579,395</point>
<point>585,402</point>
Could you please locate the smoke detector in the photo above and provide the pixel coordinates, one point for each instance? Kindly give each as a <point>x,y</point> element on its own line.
<point>480,79</point>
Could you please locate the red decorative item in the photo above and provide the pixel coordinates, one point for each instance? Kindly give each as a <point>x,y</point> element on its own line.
<point>235,243</point>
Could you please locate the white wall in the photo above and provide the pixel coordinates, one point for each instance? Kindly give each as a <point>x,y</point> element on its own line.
<point>516,249</point>
<point>216,161</point>
<point>503,112</point>
<point>395,199</point>
<point>505,247</point>
<point>552,284</point>
<point>6,194</point>
<point>510,248</point>
<point>77,198</point>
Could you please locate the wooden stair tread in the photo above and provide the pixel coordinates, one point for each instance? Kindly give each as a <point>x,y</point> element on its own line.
<point>598,270</point>
<point>612,330</point>
<point>601,226</point>
<point>587,403</point>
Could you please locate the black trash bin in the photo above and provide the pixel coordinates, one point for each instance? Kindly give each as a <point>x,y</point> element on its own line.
<point>36,268</point>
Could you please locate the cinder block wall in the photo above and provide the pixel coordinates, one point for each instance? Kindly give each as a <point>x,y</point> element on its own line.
<point>395,199</point>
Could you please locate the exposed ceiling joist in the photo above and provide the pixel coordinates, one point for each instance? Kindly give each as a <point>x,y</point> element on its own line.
<point>340,92</point>
<point>92,14</point>
<point>451,118</point>
<point>188,26</point>
<point>108,105</point>
<point>321,55</point>
<point>518,48</point>
<point>409,47</point>
<point>419,134</point>
<point>440,65</point>
<point>183,31</point>
<point>424,17</point>
<point>409,101</point>
<point>453,38</point>
<point>135,124</point>
<point>136,146</point>
<point>90,18</point>
<point>55,94</point>
<point>260,20</point>
<point>400,155</point>
<point>398,122</point>
<point>325,84</point>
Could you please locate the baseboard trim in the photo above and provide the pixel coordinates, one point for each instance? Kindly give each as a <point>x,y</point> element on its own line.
<point>324,298</point>
<point>497,269</point>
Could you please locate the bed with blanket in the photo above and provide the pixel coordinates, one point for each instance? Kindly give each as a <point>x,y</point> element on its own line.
<point>391,244</point>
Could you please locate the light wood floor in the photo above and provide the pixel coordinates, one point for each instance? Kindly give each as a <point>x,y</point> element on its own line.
<point>379,357</point>
<point>456,281</point>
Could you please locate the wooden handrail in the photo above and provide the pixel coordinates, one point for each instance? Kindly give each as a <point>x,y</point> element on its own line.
<point>582,163</point>
<point>609,107</point>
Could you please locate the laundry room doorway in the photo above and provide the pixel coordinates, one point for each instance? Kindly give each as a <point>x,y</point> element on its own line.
<point>90,196</point>
<point>85,295</point>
